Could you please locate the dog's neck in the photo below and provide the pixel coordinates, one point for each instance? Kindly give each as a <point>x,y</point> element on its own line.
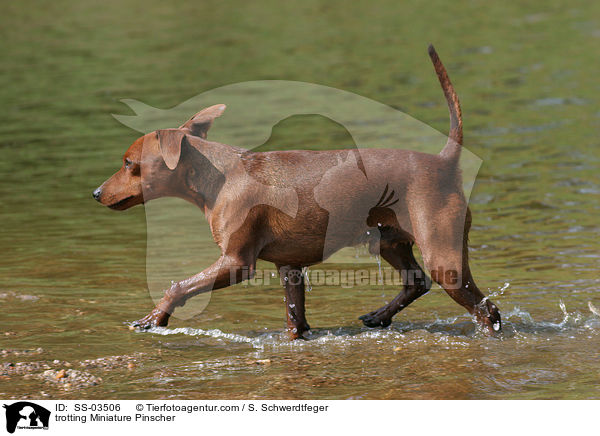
<point>223,157</point>
<point>208,164</point>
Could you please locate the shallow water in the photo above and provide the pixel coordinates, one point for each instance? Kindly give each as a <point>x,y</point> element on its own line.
<point>74,273</point>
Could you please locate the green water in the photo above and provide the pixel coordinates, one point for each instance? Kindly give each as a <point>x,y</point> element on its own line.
<point>73,272</point>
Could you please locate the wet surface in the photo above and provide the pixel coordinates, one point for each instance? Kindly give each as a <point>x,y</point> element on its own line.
<point>74,273</point>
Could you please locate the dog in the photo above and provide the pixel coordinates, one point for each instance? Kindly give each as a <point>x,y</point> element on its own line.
<point>404,198</point>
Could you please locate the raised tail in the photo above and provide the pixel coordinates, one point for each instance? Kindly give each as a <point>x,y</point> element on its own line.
<point>455,137</point>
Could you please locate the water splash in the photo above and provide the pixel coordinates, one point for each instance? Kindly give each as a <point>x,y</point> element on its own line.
<point>563,308</point>
<point>213,333</point>
<point>460,330</point>
<point>341,337</point>
<point>500,291</point>
<point>306,279</point>
<point>379,272</point>
<point>570,323</point>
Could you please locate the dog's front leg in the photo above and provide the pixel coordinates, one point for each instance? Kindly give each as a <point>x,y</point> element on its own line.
<point>228,270</point>
<point>293,282</point>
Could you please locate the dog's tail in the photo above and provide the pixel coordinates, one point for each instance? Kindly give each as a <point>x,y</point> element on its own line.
<point>455,137</point>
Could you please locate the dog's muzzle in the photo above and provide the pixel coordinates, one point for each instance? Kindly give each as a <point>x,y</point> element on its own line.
<point>97,193</point>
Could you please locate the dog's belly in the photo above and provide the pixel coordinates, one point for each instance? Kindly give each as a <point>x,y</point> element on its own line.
<point>305,253</point>
<point>316,234</point>
<point>286,255</point>
<point>313,248</point>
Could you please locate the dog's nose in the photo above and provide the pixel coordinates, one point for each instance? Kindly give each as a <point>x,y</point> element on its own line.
<point>96,194</point>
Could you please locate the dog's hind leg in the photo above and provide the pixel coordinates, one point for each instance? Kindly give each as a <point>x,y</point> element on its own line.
<point>293,282</point>
<point>447,260</point>
<point>416,283</point>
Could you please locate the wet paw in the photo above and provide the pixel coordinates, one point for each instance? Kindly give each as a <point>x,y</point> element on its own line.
<point>488,316</point>
<point>376,319</point>
<point>298,332</point>
<point>156,318</point>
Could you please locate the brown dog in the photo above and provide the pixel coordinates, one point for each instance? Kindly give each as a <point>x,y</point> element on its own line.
<point>412,198</point>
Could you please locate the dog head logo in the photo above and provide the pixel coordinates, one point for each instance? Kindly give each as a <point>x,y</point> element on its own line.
<point>26,415</point>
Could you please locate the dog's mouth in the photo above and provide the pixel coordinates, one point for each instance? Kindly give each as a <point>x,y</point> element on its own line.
<point>119,205</point>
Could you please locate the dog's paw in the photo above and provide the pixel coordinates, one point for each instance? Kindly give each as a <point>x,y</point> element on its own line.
<point>376,318</point>
<point>489,318</point>
<point>156,318</point>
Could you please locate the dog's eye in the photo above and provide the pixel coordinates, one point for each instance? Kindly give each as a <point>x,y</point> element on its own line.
<point>128,163</point>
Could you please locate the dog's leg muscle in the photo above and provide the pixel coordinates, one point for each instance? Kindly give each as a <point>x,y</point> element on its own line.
<point>469,295</point>
<point>416,283</point>
<point>448,263</point>
<point>228,270</point>
<point>293,282</point>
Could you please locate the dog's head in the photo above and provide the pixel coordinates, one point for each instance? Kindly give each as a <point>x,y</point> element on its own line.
<point>151,166</point>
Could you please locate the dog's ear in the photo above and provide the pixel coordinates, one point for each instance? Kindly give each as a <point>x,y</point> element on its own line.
<point>169,141</point>
<point>199,124</point>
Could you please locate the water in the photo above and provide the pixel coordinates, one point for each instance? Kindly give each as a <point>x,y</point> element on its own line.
<point>73,273</point>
